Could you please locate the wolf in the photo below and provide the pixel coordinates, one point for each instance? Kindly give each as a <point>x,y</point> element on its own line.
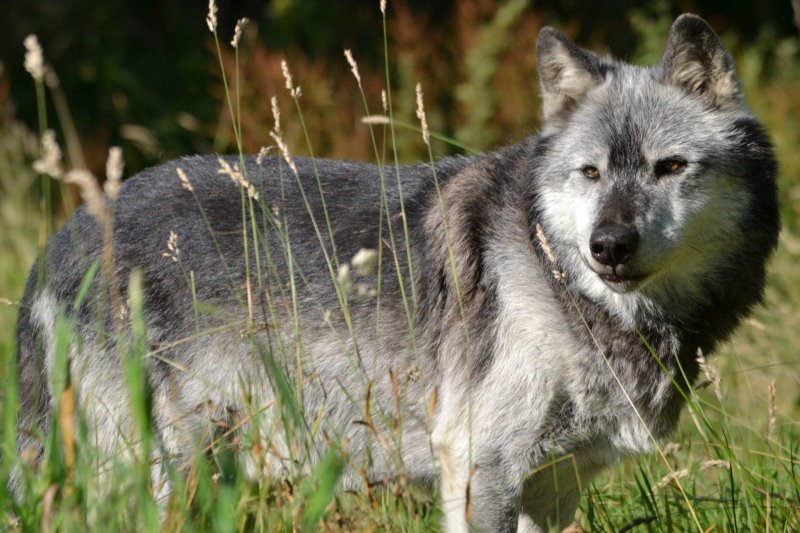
<point>502,325</point>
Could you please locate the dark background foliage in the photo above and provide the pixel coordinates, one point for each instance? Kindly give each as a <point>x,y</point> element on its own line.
<point>151,64</point>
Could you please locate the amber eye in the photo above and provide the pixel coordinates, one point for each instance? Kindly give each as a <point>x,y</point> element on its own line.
<point>590,172</point>
<point>671,166</point>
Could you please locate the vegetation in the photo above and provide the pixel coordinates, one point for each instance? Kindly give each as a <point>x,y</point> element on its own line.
<point>733,464</point>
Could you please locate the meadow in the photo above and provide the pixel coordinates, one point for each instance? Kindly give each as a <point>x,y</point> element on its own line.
<point>731,466</point>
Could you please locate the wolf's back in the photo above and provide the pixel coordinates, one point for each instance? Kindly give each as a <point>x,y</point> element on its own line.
<point>208,224</point>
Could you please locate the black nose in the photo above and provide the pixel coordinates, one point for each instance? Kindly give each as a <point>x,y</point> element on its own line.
<point>613,244</point>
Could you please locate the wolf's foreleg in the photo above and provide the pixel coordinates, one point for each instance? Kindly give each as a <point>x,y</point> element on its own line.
<point>479,487</point>
<point>551,494</point>
<point>450,442</point>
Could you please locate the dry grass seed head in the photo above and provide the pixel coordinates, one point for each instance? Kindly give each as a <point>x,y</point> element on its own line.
<point>237,32</point>
<point>236,175</point>
<point>185,183</point>
<point>376,119</point>
<point>114,168</point>
<point>423,120</point>
<point>50,162</point>
<point>287,76</point>
<point>353,66</point>
<point>715,463</point>
<point>670,448</point>
<point>211,18</point>
<point>365,261</point>
<point>34,58</point>
<point>284,151</point>
<point>671,478</point>
<point>557,274</point>
<point>772,407</point>
<point>173,252</point>
<point>711,372</point>
<point>262,154</point>
<point>276,114</point>
<point>343,278</point>
<point>90,192</point>
<point>51,78</point>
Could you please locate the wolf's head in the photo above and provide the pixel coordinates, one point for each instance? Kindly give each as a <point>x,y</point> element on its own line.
<point>653,184</point>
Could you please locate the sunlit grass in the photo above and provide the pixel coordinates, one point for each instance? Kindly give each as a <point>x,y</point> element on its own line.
<point>734,457</point>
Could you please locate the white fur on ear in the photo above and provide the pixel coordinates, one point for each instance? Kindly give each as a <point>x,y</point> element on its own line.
<point>696,60</point>
<point>566,74</point>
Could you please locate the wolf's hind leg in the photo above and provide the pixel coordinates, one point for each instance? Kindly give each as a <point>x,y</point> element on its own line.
<point>494,493</point>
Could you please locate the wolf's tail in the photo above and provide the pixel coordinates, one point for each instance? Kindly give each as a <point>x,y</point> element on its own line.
<point>33,417</point>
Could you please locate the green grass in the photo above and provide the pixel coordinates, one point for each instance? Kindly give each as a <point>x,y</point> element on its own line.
<point>731,466</point>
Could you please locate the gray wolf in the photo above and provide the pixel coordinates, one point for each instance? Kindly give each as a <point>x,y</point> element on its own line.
<point>503,327</point>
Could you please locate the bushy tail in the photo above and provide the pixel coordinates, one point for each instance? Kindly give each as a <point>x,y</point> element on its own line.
<point>34,396</point>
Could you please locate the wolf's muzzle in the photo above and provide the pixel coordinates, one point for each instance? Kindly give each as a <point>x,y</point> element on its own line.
<point>613,244</point>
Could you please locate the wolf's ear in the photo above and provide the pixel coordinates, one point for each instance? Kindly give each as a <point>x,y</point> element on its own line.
<point>566,73</point>
<point>696,60</point>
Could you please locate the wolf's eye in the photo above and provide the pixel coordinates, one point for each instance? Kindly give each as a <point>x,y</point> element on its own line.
<point>671,166</point>
<point>590,172</point>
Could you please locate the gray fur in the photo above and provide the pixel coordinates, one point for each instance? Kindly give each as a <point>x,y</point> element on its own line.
<point>537,364</point>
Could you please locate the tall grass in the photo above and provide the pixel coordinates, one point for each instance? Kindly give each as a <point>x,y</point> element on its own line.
<point>732,465</point>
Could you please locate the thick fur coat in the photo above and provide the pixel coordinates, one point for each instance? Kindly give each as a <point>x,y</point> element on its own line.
<point>533,312</point>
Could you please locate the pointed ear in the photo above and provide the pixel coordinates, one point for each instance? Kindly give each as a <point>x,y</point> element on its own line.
<point>566,73</point>
<point>696,60</point>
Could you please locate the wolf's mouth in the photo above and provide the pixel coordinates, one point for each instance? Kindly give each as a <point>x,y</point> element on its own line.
<point>621,281</point>
<point>615,277</point>
<point>620,278</point>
